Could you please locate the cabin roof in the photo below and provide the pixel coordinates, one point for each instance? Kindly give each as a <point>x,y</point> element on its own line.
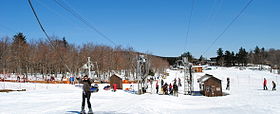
<point>206,77</point>
<point>116,76</point>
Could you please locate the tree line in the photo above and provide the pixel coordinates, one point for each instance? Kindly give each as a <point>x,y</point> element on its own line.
<point>260,56</point>
<point>57,56</point>
<point>242,57</point>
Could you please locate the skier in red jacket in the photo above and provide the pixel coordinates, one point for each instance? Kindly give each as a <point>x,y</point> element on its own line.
<point>170,89</point>
<point>115,87</point>
<point>264,84</point>
<point>157,87</point>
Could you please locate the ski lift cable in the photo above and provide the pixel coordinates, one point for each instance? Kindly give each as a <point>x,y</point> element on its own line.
<point>79,17</point>
<point>48,38</point>
<point>213,13</point>
<point>84,20</point>
<point>228,26</point>
<point>188,24</point>
<point>6,28</point>
<point>41,3</point>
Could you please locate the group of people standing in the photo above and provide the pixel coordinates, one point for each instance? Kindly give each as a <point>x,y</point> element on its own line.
<point>169,89</point>
<point>265,85</point>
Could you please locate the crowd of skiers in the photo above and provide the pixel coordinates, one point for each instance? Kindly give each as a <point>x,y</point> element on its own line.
<point>169,89</point>
<point>265,85</point>
<point>166,89</point>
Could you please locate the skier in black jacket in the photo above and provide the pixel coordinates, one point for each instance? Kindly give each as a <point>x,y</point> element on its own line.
<point>86,81</point>
<point>273,86</point>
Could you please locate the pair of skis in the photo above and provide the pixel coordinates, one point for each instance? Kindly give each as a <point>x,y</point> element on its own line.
<point>78,112</point>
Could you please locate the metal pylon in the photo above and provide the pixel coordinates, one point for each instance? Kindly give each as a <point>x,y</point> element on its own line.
<point>142,69</point>
<point>188,78</point>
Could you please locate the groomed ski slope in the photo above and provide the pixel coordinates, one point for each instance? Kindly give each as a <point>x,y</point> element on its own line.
<point>246,97</point>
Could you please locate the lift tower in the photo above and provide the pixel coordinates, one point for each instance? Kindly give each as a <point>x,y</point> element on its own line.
<point>188,78</point>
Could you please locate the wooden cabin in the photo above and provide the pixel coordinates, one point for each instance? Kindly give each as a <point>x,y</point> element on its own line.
<point>275,69</point>
<point>197,68</point>
<point>114,79</point>
<point>210,86</point>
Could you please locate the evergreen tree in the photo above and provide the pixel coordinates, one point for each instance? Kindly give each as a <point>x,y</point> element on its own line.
<point>228,58</point>
<point>263,55</point>
<point>19,39</point>
<point>65,43</point>
<point>19,53</point>
<point>257,50</point>
<point>202,60</point>
<point>220,58</point>
<point>220,52</point>
<point>257,55</point>
<point>242,57</point>
<point>233,58</point>
<point>188,55</point>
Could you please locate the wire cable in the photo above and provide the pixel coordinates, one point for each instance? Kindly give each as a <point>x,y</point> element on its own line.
<point>228,26</point>
<point>6,28</point>
<point>42,28</point>
<point>78,16</point>
<point>188,25</point>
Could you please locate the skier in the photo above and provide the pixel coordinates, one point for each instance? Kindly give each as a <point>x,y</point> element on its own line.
<point>228,83</point>
<point>157,87</point>
<point>86,81</point>
<point>170,89</point>
<point>114,87</point>
<point>175,89</point>
<point>179,81</point>
<point>165,90</point>
<point>72,80</point>
<point>264,84</point>
<point>274,86</point>
<point>162,82</point>
<point>18,79</point>
<point>52,79</point>
<point>78,79</point>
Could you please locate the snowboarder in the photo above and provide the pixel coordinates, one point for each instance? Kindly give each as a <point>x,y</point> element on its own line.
<point>86,81</point>
<point>227,88</point>
<point>264,84</point>
<point>273,86</point>
<point>157,87</point>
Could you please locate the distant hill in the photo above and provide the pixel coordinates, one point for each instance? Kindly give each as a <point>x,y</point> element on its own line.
<point>171,60</point>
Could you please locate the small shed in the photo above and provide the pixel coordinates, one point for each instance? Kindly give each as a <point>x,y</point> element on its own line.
<point>114,79</point>
<point>197,68</point>
<point>210,86</point>
<point>275,69</point>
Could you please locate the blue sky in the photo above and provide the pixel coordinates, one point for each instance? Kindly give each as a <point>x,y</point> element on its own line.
<point>155,26</point>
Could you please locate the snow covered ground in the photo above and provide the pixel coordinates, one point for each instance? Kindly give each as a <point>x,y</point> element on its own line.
<point>246,97</point>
